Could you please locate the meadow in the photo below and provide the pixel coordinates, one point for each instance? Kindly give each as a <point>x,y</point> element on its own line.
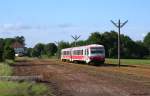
<point>128,61</point>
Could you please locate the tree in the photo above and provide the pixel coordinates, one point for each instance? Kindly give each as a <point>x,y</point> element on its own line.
<point>147,41</point>
<point>79,43</point>
<point>38,50</point>
<point>1,49</point>
<point>50,49</point>
<point>142,50</point>
<point>20,39</point>
<point>9,53</point>
<point>62,45</point>
<point>1,54</point>
<point>95,38</point>
<point>109,40</point>
<point>29,52</point>
<point>8,41</point>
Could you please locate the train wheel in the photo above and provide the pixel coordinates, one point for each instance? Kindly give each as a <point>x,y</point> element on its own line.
<point>76,62</point>
<point>91,63</point>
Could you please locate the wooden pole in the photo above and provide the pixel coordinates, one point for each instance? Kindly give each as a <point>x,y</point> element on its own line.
<point>119,26</point>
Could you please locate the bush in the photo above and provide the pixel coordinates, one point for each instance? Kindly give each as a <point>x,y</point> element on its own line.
<point>1,55</point>
<point>9,53</point>
<point>5,70</point>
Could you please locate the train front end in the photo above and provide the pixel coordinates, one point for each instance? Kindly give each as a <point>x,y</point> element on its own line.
<point>97,54</point>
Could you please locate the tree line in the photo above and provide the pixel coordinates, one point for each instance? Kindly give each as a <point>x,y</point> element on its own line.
<point>129,47</point>
<point>41,49</point>
<point>6,50</point>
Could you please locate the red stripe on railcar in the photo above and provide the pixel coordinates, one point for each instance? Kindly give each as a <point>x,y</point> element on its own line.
<point>68,57</point>
<point>78,57</point>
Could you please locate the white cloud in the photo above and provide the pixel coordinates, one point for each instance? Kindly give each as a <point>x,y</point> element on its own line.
<point>18,27</point>
<point>14,27</point>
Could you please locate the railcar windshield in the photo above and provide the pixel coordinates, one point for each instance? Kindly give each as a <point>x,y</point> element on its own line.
<point>97,50</point>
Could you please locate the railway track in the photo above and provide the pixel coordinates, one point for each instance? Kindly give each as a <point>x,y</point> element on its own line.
<point>69,79</point>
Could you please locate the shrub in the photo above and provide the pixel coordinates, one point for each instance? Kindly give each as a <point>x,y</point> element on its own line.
<point>1,55</point>
<point>9,53</point>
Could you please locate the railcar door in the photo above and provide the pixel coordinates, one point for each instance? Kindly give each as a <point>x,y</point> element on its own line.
<point>86,54</point>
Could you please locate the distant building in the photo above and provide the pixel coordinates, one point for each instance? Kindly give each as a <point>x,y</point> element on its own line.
<point>18,48</point>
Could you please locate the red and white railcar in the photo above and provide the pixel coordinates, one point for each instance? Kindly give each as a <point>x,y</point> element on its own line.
<point>88,53</point>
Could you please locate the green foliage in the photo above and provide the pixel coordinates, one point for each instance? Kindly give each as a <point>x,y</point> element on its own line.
<point>9,62</point>
<point>129,48</point>
<point>8,88</point>
<point>29,52</point>
<point>8,41</point>
<point>50,49</point>
<point>38,50</point>
<point>95,38</point>
<point>41,50</point>
<point>9,53</point>
<point>79,43</point>
<point>62,45</point>
<point>5,69</point>
<point>35,53</point>
<point>20,39</point>
<point>6,50</point>
<point>147,41</point>
<point>1,55</point>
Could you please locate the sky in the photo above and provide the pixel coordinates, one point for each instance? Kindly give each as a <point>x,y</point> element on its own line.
<point>47,21</point>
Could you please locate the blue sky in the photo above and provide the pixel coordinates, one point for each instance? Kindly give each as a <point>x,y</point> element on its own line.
<point>55,20</point>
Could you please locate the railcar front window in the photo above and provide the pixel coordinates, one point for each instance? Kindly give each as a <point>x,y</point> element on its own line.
<point>97,51</point>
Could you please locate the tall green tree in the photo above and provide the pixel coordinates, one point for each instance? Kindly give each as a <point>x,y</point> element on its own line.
<point>147,41</point>
<point>95,38</point>
<point>29,52</point>
<point>20,39</point>
<point>8,41</point>
<point>50,49</point>
<point>9,53</point>
<point>39,49</point>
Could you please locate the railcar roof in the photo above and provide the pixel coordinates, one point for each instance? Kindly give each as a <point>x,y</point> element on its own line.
<point>87,46</point>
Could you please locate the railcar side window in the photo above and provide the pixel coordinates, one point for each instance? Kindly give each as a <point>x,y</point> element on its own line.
<point>78,52</point>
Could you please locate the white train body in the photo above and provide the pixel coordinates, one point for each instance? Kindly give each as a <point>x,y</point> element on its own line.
<point>89,53</point>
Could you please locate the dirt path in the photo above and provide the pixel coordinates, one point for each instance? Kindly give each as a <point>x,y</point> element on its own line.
<point>68,79</point>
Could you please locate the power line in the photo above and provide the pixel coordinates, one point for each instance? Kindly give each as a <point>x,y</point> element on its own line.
<point>119,25</point>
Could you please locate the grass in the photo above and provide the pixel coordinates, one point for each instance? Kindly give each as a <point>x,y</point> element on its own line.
<point>25,58</point>
<point>10,62</point>
<point>129,61</point>
<point>5,69</point>
<point>8,88</point>
<point>14,88</point>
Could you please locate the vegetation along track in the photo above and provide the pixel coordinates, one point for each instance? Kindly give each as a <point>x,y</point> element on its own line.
<point>67,79</point>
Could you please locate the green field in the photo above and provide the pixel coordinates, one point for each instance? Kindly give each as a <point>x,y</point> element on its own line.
<point>129,61</point>
<point>9,88</point>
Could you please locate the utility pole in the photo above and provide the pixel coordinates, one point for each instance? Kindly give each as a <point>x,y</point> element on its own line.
<point>119,25</point>
<point>75,39</point>
<point>58,50</point>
